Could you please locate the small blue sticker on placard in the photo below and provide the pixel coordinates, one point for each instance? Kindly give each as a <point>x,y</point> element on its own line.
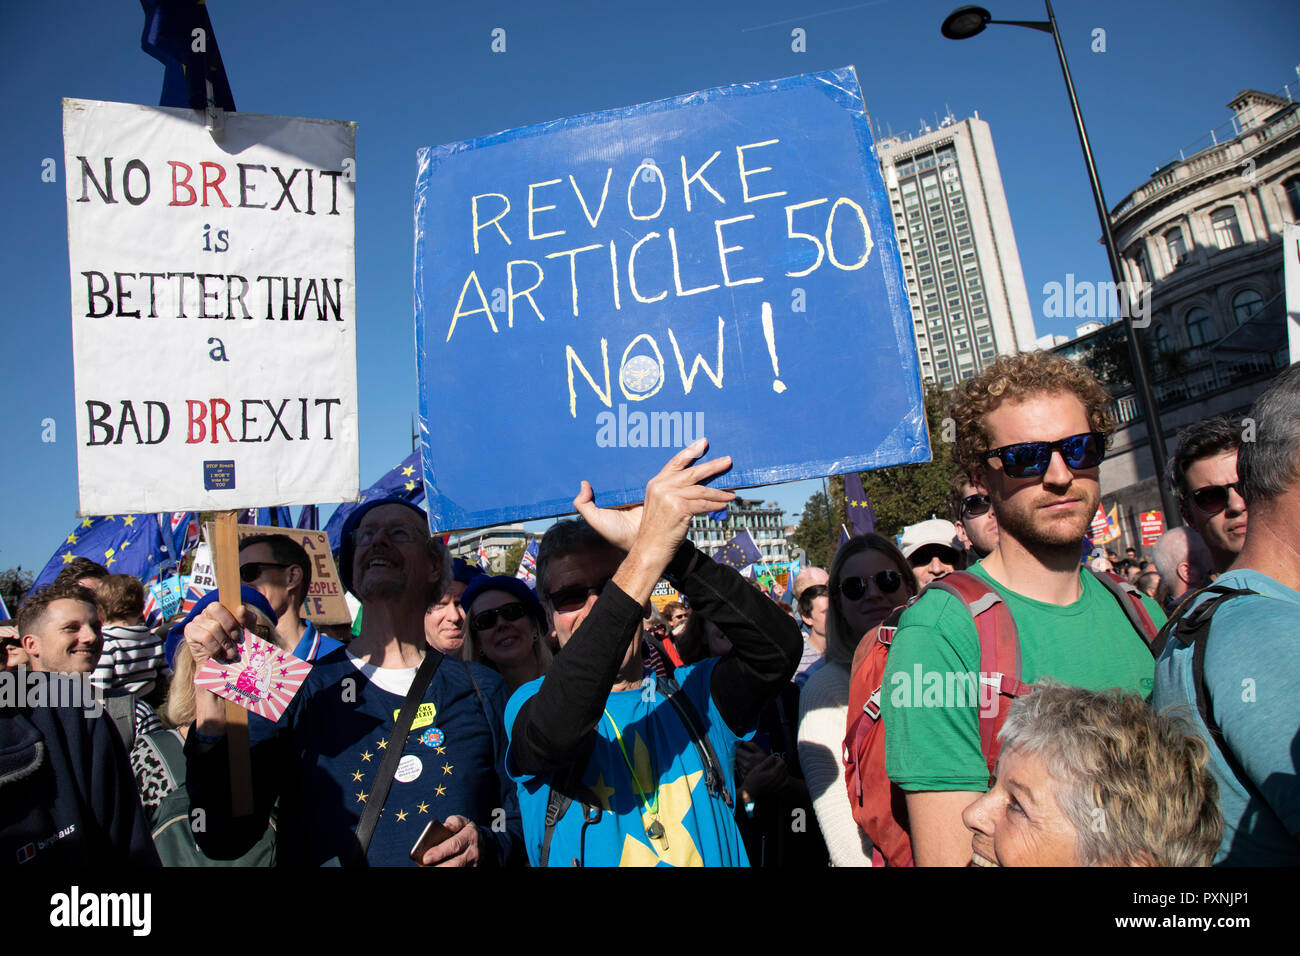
<point>218,475</point>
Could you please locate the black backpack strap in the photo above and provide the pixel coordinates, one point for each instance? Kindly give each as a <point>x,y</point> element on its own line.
<point>1194,632</point>
<point>557,805</point>
<point>714,777</point>
<point>393,755</point>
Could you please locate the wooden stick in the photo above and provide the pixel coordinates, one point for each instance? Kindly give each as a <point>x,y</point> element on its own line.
<point>225,561</point>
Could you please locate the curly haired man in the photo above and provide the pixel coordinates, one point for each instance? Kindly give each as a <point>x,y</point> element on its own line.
<point>1032,430</point>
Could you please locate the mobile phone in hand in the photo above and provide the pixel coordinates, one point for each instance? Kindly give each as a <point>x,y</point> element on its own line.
<point>433,834</point>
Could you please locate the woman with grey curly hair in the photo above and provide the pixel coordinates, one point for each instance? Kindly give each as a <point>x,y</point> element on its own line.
<point>1095,779</point>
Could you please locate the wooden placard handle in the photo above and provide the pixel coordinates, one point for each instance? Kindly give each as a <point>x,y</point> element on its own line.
<point>225,562</point>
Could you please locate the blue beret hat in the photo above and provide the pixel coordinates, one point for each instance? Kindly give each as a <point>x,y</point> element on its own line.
<point>346,549</point>
<point>512,586</point>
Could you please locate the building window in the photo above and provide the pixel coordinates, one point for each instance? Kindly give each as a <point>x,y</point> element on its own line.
<point>1176,246</point>
<point>1227,233</point>
<point>1139,260</point>
<point>1292,188</point>
<point>1198,327</point>
<point>1245,304</point>
<point>1162,340</point>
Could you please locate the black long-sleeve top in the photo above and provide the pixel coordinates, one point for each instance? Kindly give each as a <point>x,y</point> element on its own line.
<point>554,726</point>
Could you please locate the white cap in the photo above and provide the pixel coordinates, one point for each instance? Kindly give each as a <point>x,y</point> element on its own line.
<point>934,531</point>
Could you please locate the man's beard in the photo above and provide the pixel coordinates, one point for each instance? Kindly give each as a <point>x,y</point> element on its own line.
<point>381,589</point>
<point>1032,528</point>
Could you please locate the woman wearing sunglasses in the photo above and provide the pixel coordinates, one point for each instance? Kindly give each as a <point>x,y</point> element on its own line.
<point>868,579</point>
<point>505,629</point>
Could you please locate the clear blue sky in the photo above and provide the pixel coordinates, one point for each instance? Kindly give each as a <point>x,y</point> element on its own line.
<point>422,73</point>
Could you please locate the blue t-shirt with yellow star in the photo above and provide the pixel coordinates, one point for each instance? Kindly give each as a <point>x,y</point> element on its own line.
<point>698,829</point>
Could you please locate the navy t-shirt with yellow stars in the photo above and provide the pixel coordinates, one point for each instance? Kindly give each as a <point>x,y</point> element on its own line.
<point>698,830</point>
<point>321,759</point>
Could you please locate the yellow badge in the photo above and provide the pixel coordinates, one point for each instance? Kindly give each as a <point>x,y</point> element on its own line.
<point>423,717</point>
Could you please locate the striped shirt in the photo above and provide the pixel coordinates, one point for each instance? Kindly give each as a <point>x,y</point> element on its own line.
<point>810,657</point>
<point>132,659</point>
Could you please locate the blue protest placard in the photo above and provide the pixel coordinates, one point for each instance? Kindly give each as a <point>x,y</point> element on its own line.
<point>594,292</point>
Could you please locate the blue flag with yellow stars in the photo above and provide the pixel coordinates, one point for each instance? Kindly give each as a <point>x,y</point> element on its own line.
<point>857,506</point>
<point>739,551</point>
<point>274,517</point>
<point>404,481</point>
<point>125,544</point>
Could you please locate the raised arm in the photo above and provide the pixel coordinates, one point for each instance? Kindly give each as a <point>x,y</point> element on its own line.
<point>766,644</point>
<point>552,727</point>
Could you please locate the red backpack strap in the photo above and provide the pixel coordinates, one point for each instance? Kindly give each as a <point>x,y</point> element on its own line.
<point>999,654</point>
<point>1130,600</point>
<point>885,632</point>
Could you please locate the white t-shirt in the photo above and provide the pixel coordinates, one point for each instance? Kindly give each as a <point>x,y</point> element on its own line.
<point>395,680</point>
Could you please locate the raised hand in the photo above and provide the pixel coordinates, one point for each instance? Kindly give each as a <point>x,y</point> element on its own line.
<point>672,498</point>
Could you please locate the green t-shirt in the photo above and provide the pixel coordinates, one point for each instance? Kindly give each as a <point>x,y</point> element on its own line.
<point>931,696</point>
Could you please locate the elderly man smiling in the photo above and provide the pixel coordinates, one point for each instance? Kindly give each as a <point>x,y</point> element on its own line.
<point>323,758</point>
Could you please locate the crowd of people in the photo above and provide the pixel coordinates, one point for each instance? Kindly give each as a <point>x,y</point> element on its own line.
<point>985,690</point>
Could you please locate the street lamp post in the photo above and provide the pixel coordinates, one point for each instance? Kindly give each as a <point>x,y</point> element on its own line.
<point>965,22</point>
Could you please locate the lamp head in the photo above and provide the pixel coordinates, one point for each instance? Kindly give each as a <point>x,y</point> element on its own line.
<point>965,22</point>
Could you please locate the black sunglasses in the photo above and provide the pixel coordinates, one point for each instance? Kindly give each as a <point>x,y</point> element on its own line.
<point>972,506</point>
<point>1212,499</point>
<point>1029,459</point>
<point>572,598</point>
<point>886,581</point>
<point>250,572</point>
<point>484,620</point>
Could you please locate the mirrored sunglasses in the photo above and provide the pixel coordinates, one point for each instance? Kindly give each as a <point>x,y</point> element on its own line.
<point>1030,459</point>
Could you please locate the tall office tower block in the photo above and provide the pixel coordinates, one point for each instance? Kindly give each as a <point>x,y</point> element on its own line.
<point>959,251</point>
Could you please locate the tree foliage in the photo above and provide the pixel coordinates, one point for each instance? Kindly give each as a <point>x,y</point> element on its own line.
<point>14,585</point>
<point>900,496</point>
<point>509,560</point>
<point>907,494</point>
<point>813,533</point>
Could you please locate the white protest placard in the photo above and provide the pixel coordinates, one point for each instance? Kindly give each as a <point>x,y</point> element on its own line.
<point>202,575</point>
<point>213,308</point>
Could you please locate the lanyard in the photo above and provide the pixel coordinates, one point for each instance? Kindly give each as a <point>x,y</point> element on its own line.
<point>655,830</point>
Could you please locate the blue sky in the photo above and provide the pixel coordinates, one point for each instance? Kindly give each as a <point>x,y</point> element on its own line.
<point>415,74</point>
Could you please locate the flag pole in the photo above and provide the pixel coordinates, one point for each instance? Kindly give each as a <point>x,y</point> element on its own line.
<point>225,562</point>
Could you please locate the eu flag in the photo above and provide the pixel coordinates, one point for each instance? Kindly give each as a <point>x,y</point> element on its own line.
<point>125,544</point>
<point>739,551</point>
<point>857,505</point>
<point>274,517</point>
<point>404,481</point>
